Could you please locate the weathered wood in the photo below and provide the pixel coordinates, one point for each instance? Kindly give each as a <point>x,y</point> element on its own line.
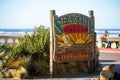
<point>95,60</point>
<point>106,75</point>
<point>90,13</point>
<point>52,13</point>
<point>102,41</point>
<point>107,72</point>
<point>90,63</point>
<point>113,39</point>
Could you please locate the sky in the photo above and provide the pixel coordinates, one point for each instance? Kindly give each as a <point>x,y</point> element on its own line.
<point>31,13</point>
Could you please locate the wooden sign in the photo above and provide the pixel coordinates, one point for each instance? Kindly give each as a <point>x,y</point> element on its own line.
<point>73,37</point>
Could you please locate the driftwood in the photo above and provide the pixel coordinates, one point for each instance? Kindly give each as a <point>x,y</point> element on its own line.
<point>107,72</point>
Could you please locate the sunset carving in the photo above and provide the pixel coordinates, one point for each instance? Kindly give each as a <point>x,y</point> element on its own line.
<point>74,39</point>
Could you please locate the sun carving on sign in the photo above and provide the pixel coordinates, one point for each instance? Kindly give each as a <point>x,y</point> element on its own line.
<point>73,35</point>
<point>74,39</point>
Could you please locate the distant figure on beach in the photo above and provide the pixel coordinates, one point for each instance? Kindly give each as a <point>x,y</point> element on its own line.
<point>117,43</point>
<point>105,35</point>
<point>119,34</point>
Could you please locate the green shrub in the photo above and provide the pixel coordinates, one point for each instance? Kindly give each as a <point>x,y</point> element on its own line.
<point>37,45</point>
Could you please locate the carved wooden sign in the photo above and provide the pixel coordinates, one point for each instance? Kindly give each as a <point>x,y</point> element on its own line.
<point>73,37</point>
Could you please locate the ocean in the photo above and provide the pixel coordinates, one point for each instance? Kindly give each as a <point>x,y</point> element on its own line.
<point>19,32</point>
<point>15,32</point>
<point>112,32</point>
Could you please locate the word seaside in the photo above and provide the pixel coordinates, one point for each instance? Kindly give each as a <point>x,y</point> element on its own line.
<point>74,23</point>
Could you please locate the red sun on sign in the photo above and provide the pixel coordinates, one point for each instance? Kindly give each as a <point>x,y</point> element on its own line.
<point>75,28</point>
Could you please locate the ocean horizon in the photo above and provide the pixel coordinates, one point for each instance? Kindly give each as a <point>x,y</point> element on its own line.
<point>22,32</point>
<point>19,32</point>
<point>15,32</point>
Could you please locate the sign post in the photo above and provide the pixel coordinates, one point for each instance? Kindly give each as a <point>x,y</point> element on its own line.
<point>52,13</point>
<point>72,38</point>
<point>90,63</point>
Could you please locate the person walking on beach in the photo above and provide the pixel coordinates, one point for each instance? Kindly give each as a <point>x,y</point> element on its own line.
<point>105,35</point>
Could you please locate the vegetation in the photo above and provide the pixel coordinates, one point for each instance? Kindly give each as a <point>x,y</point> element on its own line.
<point>35,45</point>
<point>31,54</point>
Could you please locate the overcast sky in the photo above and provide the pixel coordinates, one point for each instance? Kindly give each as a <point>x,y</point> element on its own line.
<point>28,13</point>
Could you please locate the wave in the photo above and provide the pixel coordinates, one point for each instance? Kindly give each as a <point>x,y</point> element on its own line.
<point>15,32</point>
<point>20,32</point>
<point>112,32</point>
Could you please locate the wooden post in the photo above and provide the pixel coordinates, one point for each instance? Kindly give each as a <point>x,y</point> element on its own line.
<point>90,63</point>
<point>91,14</point>
<point>107,72</point>
<point>52,13</point>
<point>95,54</point>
